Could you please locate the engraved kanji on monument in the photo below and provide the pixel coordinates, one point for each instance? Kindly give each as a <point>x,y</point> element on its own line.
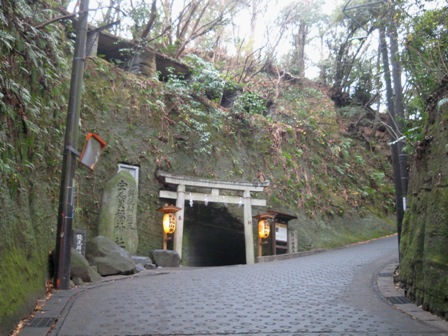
<point>118,216</point>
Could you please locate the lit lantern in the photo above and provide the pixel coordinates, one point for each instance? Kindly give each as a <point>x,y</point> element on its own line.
<point>169,223</point>
<point>264,228</point>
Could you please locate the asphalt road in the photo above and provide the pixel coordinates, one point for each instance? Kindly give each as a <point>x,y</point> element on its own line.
<point>329,293</point>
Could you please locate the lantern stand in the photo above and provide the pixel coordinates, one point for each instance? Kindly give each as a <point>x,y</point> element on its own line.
<point>169,222</point>
<point>264,228</point>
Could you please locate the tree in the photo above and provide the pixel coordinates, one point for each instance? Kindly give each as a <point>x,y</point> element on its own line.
<point>426,57</point>
<point>397,111</point>
<point>257,8</point>
<point>396,147</point>
<point>354,75</point>
<point>298,18</point>
<point>323,28</point>
<point>171,28</point>
<point>106,13</point>
<point>350,47</point>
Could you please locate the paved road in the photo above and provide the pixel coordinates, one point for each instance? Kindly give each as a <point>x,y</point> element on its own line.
<point>330,293</point>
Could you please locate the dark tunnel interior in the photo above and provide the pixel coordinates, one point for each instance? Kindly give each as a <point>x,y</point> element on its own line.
<point>212,237</point>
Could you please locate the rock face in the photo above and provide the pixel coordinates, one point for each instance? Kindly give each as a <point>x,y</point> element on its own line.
<point>423,246</point>
<point>165,258</point>
<point>118,216</point>
<point>108,257</point>
<point>80,269</point>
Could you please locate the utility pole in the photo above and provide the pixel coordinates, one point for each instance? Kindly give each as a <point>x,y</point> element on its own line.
<point>398,117</point>
<point>66,194</point>
<point>394,98</point>
<point>394,128</point>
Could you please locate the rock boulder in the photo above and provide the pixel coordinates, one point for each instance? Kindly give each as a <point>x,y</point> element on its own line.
<point>166,258</point>
<point>108,257</point>
<point>145,262</point>
<point>80,268</point>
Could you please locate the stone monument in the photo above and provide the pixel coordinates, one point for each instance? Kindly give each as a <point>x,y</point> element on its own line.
<point>118,216</point>
<point>293,241</point>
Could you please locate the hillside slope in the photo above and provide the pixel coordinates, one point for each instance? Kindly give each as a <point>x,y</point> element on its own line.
<point>336,184</point>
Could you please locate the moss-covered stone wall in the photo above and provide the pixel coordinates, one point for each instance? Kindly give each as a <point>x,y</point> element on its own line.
<point>34,80</point>
<point>27,235</point>
<point>424,248</point>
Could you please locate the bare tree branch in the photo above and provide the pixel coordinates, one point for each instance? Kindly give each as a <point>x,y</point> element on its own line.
<point>59,18</point>
<point>72,15</point>
<point>151,21</point>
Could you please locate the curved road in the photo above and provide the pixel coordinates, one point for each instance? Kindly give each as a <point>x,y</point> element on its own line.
<point>330,293</point>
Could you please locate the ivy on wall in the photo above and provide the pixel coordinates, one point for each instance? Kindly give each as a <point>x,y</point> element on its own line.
<point>30,113</point>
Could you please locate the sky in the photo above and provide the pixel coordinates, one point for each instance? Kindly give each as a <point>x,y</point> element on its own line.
<point>268,18</point>
<point>313,52</point>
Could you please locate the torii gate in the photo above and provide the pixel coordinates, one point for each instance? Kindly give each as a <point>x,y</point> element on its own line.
<point>183,182</point>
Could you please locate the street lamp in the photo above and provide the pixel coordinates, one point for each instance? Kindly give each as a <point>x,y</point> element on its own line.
<point>168,222</point>
<point>93,147</point>
<point>66,194</point>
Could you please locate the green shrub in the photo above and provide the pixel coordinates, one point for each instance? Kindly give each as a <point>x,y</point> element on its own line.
<point>205,79</point>
<point>250,102</point>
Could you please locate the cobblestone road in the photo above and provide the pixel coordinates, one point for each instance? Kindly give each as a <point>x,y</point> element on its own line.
<point>330,293</point>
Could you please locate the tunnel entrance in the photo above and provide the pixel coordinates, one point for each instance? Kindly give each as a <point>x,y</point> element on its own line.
<point>194,189</point>
<point>212,237</point>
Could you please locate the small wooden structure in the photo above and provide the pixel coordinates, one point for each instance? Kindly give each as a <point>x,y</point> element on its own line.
<point>135,58</point>
<point>130,55</point>
<point>279,232</point>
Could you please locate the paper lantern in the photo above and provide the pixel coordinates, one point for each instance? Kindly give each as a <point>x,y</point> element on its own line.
<point>169,218</point>
<point>264,228</point>
<point>169,223</point>
<point>93,147</point>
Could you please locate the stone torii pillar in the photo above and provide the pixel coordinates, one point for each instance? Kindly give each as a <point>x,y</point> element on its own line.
<point>248,228</point>
<point>179,233</point>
